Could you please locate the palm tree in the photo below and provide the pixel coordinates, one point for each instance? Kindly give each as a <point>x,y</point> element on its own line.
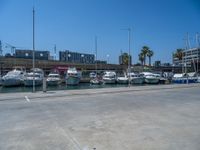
<point>150,54</point>
<point>179,54</point>
<point>144,51</point>
<point>141,58</point>
<point>125,58</point>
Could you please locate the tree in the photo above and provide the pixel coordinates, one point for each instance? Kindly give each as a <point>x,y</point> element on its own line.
<point>179,54</point>
<point>125,58</point>
<point>150,54</point>
<point>144,51</point>
<point>141,58</point>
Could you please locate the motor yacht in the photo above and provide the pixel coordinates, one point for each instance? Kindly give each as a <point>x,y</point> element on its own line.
<point>53,79</point>
<point>35,74</point>
<point>136,78</point>
<point>14,77</point>
<point>73,76</point>
<point>109,77</point>
<point>151,78</point>
<point>122,79</point>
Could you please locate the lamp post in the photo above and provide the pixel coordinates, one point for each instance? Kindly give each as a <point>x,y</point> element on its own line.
<point>69,56</point>
<point>33,50</point>
<point>108,60</point>
<point>83,60</point>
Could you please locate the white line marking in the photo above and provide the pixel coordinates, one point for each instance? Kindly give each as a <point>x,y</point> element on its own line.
<point>27,99</point>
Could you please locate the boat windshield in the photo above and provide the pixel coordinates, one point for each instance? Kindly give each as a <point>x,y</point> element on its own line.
<point>53,76</point>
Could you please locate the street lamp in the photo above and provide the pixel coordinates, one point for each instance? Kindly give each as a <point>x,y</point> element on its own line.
<point>68,57</point>
<point>108,60</point>
<point>83,60</point>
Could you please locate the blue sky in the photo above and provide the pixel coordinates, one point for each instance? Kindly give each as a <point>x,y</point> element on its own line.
<point>73,25</point>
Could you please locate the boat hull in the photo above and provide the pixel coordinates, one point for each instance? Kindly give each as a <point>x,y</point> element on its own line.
<point>12,82</point>
<point>53,82</point>
<point>137,80</point>
<point>109,81</point>
<point>152,80</point>
<point>30,82</point>
<point>184,80</point>
<point>72,80</point>
<point>122,81</point>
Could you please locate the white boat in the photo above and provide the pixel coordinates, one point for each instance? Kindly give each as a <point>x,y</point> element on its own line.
<point>72,77</point>
<point>109,77</point>
<point>96,81</point>
<point>53,79</point>
<point>185,78</point>
<point>38,74</point>
<point>151,78</point>
<point>14,77</point>
<point>123,79</point>
<point>136,78</point>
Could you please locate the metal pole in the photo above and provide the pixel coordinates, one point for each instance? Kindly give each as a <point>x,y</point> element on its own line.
<point>96,54</point>
<point>33,50</point>
<point>129,52</point>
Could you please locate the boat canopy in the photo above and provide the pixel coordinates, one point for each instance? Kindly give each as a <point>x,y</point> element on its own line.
<point>180,75</point>
<point>192,74</point>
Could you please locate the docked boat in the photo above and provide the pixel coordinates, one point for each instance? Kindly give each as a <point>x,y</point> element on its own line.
<point>122,79</point>
<point>136,78</point>
<point>183,78</point>
<point>53,79</point>
<point>96,81</point>
<point>151,78</point>
<point>14,77</point>
<point>72,77</point>
<point>109,77</point>
<point>37,75</point>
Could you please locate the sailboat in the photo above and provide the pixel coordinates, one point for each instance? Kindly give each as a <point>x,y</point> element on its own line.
<point>96,79</point>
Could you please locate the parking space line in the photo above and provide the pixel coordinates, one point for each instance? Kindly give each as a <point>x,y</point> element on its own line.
<point>27,99</point>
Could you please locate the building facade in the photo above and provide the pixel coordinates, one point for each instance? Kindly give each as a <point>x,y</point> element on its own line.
<point>28,54</point>
<point>190,56</point>
<point>75,57</point>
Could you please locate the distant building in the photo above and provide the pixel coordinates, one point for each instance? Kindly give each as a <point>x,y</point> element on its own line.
<point>189,56</point>
<point>28,54</point>
<point>100,62</point>
<point>157,63</point>
<point>123,59</point>
<point>75,57</point>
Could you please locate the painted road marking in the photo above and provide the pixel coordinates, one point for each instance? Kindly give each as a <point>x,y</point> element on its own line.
<point>27,99</point>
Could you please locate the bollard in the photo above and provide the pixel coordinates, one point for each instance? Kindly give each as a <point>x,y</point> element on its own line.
<point>44,85</point>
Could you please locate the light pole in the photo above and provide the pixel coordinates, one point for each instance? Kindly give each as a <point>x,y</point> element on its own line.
<point>83,60</point>
<point>129,52</point>
<point>108,60</point>
<point>69,56</point>
<point>33,50</point>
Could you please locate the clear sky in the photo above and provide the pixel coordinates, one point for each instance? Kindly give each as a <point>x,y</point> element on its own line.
<point>73,24</point>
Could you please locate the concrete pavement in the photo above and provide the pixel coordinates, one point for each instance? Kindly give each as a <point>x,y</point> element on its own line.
<point>137,118</point>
